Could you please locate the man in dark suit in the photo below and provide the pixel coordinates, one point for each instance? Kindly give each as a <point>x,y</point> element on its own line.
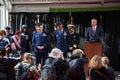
<point>62,38</point>
<point>94,33</point>
<point>40,41</point>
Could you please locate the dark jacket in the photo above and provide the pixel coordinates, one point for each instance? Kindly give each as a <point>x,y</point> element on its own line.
<point>41,39</point>
<point>97,36</point>
<point>62,40</point>
<point>3,43</point>
<point>28,40</point>
<point>61,68</point>
<point>74,40</point>
<point>111,73</point>
<point>94,73</point>
<point>7,68</point>
<point>9,37</point>
<point>80,68</point>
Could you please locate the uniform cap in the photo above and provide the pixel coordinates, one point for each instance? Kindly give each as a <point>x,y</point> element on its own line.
<point>39,24</point>
<point>70,26</point>
<point>59,23</point>
<point>24,26</point>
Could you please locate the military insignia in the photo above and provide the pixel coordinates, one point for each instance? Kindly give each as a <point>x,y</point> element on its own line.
<point>75,45</point>
<point>74,36</point>
<point>27,37</point>
<point>43,34</point>
<point>56,35</point>
<point>35,35</point>
<point>65,34</point>
<point>65,37</point>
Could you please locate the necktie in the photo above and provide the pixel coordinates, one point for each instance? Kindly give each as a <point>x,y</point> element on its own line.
<point>93,29</point>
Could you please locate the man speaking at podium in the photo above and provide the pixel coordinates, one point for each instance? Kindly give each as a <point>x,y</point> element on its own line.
<point>94,33</point>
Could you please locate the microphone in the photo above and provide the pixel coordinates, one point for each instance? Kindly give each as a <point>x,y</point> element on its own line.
<point>103,43</point>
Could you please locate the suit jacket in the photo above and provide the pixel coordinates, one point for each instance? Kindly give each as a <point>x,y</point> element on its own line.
<point>98,35</point>
<point>41,39</point>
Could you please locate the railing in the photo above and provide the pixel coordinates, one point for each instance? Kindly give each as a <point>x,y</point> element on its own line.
<point>63,1</point>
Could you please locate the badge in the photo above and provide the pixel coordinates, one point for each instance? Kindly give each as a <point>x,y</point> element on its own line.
<point>56,36</point>
<point>35,35</point>
<point>75,45</point>
<point>65,34</point>
<point>27,37</point>
<point>44,34</point>
<point>74,36</point>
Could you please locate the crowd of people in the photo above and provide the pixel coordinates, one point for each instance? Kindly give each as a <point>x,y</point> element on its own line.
<point>17,63</point>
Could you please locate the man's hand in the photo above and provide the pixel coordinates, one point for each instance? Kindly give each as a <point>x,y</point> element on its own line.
<point>70,48</point>
<point>62,57</point>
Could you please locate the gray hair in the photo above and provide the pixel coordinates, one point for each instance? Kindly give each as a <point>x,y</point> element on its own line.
<point>56,53</point>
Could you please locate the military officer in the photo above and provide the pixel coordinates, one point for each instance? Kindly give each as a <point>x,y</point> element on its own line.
<point>40,41</point>
<point>62,38</point>
<point>8,34</point>
<point>74,37</point>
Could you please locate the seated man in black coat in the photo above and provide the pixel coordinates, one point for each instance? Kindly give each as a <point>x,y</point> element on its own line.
<point>76,65</point>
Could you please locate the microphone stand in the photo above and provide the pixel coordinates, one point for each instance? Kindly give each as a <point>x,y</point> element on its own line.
<point>103,43</point>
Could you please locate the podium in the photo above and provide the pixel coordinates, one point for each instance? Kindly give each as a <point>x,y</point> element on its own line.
<point>91,49</point>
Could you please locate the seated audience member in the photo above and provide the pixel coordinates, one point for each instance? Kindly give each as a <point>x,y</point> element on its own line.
<point>4,41</point>
<point>27,70</point>
<point>76,65</point>
<point>56,59</point>
<point>6,66</point>
<point>96,70</point>
<point>105,62</point>
<point>18,44</point>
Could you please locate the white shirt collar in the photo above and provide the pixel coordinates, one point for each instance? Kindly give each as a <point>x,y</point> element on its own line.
<point>61,30</point>
<point>94,28</point>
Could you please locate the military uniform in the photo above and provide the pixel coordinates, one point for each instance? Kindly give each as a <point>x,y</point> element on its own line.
<point>40,39</point>
<point>74,40</point>
<point>62,39</point>
<point>3,43</point>
<point>8,35</point>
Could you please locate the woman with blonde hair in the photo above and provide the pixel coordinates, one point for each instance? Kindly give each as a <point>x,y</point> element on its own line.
<point>76,65</point>
<point>96,70</point>
<point>105,62</point>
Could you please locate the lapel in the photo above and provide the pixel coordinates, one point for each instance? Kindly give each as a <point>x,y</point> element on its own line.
<point>91,30</point>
